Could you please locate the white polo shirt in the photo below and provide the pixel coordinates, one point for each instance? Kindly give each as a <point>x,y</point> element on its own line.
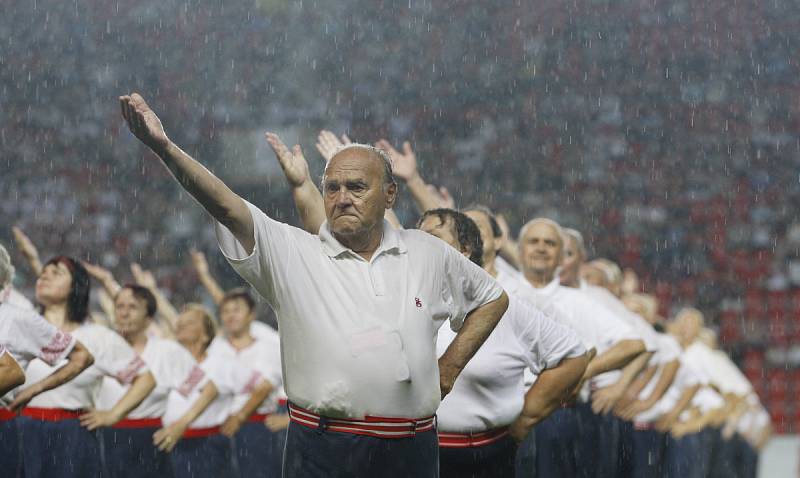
<point>171,365</point>
<point>359,337</point>
<point>26,335</point>
<point>503,266</point>
<point>686,376</point>
<point>668,351</point>
<point>264,356</point>
<point>722,372</point>
<point>113,357</point>
<point>229,377</point>
<point>489,392</point>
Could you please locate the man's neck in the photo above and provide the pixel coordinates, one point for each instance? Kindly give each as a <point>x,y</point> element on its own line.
<point>138,340</point>
<point>241,341</point>
<point>537,279</point>
<point>489,265</point>
<point>365,244</point>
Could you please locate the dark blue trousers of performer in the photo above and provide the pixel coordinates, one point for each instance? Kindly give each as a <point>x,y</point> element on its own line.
<point>724,459</point>
<point>688,456</point>
<point>747,458</point>
<point>607,446</point>
<point>644,448</point>
<point>130,453</point>
<point>254,449</point>
<point>525,461</point>
<point>10,453</point>
<point>321,453</point>
<point>495,460</point>
<point>561,443</point>
<point>203,457</point>
<point>56,447</point>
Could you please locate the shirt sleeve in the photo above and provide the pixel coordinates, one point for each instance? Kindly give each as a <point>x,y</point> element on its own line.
<point>466,286</point>
<point>268,264</point>
<point>544,342</point>
<point>116,358</point>
<point>43,340</point>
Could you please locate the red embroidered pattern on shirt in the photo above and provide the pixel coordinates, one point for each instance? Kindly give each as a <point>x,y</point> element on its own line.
<point>255,378</point>
<point>195,376</point>
<point>130,372</point>
<point>55,349</point>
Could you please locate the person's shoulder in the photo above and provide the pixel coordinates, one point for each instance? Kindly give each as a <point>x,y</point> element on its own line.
<point>418,240</point>
<point>14,312</point>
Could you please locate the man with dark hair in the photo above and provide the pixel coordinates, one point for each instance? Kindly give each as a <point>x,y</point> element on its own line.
<point>357,307</point>
<point>455,229</point>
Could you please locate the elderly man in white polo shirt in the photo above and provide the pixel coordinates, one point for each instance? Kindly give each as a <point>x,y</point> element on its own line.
<point>358,308</point>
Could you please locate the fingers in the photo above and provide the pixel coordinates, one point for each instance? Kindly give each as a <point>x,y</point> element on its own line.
<point>407,148</point>
<point>346,139</point>
<point>280,149</point>
<point>387,146</point>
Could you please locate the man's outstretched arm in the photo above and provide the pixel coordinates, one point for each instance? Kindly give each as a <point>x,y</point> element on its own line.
<point>222,203</point>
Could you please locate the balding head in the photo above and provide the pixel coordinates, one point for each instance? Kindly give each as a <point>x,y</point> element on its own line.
<point>369,151</point>
<point>541,250</point>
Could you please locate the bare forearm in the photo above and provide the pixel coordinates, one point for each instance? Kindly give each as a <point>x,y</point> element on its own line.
<point>11,374</point>
<point>222,203</point>
<point>423,198</point>
<point>683,402</point>
<point>207,395</point>
<point>664,381</point>
<point>212,287</point>
<point>615,358</point>
<point>139,390</point>
<point>552,387</point>
<point>641,382</point>
<point>477,327</point>
<point>308,201</point>
<point>256,398</point>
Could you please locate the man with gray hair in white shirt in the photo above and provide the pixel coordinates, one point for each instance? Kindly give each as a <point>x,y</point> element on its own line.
<point>358,309</point>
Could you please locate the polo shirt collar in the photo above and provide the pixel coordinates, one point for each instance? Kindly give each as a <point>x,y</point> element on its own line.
<point>390,242</point>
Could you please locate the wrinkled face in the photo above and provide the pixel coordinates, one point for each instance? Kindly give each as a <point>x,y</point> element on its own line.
<point>445,231</point>
<point>130,313</point>
<point>236,316</point>
<point>354,193</point>
<point>54,284</point>
<point>540,250</point>
<point>593,275</point>
<point>490,244</point>
<point>189,328</point>
<point>572,262</point>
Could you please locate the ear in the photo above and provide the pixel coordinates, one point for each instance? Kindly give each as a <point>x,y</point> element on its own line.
<point>466,251</point>
<point>390,195</point>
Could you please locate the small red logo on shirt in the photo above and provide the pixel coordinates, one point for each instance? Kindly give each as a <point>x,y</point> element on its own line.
<point>418,302</point>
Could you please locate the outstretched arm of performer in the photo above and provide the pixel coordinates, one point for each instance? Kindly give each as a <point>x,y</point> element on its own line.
<point>235,421</point>
<point>166,310</point>
<point>217,198</point>
<point>78,360</point>
<point>668,373</point>
<point>166,438</point>
<point>139,390</point>
<point>404,166</point>
<point>204,274</point>
<point>307,197</point>
<point>604,400</point>
<point>670,418</point>
<point>28,250</point>
<point>11,374</point>
<point>622,353</point>
<point>551,389</point>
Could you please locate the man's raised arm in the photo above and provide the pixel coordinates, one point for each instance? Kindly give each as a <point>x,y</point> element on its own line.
<point>222,203</point>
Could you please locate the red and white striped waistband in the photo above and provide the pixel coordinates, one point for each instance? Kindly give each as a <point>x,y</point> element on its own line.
<point>471,440</point>
<point>138,423</point>
<point>51,414</point>
<point>378,427</point>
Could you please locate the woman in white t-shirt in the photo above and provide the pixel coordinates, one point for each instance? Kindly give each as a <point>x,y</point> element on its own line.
<point>196,427</point>
<point>59,423</point>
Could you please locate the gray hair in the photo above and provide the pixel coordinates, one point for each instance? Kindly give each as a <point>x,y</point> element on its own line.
<point>543,220</point>
<point>6,268</point>
<point>388,173</point>
<point>578,237</point>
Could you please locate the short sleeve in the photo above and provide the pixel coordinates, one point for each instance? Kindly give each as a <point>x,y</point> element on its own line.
<point>544,342</point>
<point>39,338</point>
<point>268,263</point>
<point>116,358</point>
<point>467,285</point>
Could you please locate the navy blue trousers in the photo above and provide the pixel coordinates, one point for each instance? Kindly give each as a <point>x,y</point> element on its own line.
<point>203,457</point>
<point>606,441</point>
<point>688,456</point>
<point>130,453</point>
<point>724,461</point>
<point>10,453</point>
<point>495,460</point>
<point>642,452</point>
<point>525,462</point>
<point>62,448</point>
<point>565,442</point>
<point>254,450</point>
<point>320,453</point>
<point>747,458</point>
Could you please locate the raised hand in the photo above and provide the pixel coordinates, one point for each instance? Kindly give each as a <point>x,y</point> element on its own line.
<point>100,273</point>
<point>328,144</point>
<point>199,262</point>
<point>443,196</point>
<point>404,165</point>
<point>143,122</point>
<point>28,250</point>
<point>143,277</point>
<point>292,162</point>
